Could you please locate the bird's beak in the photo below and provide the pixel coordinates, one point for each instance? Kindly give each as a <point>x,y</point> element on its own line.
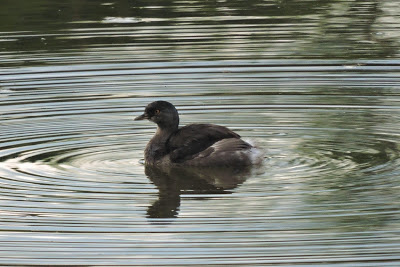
<point>141,117</point>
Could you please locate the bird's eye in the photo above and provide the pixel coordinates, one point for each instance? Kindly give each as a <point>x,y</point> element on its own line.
<point>157,111</point>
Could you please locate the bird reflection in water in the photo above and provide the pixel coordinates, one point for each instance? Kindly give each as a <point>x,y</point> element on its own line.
<point>174,181</point>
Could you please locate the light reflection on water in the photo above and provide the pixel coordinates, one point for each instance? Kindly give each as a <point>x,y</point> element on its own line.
<point>71,177</point>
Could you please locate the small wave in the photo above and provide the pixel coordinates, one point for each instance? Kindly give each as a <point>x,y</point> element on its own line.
<point>120,20</point>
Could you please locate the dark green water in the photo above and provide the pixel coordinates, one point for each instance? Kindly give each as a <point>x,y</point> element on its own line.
<point>315,83</point>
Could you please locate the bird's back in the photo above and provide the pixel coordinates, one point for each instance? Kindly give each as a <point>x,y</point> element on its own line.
<point>207,145</point>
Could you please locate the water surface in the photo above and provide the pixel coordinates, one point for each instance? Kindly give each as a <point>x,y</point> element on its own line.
<point>314,83</point>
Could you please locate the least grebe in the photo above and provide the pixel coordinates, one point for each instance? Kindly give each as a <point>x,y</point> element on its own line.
<point>194,144</point>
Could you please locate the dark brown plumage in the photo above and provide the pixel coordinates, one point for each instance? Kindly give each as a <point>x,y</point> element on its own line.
<point>195,144</point>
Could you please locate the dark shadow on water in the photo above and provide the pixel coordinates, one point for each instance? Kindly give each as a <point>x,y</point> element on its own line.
<point>172,182</point>
<point>352,29</point>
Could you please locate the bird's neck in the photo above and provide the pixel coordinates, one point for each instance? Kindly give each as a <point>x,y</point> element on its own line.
<point>163,133</point>
<point>156,148</point>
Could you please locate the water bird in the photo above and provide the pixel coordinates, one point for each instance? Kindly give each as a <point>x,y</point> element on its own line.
<point>198,145</point>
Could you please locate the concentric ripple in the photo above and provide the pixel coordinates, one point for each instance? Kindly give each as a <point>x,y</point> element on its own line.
<point>314,83</point>
<point>71,173</point>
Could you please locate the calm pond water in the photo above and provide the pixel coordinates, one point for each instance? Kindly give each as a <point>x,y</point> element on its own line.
<point>315,83</point>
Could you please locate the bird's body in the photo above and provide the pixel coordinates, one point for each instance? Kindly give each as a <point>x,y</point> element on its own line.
<point>194,144</point>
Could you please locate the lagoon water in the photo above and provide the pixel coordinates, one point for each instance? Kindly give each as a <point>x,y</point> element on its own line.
<point>315,83</point>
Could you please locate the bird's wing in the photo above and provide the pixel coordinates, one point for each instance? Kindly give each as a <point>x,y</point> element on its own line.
<point>188,141</point>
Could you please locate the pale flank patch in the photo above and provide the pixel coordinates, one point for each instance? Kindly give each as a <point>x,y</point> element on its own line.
<point>256,154</point>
